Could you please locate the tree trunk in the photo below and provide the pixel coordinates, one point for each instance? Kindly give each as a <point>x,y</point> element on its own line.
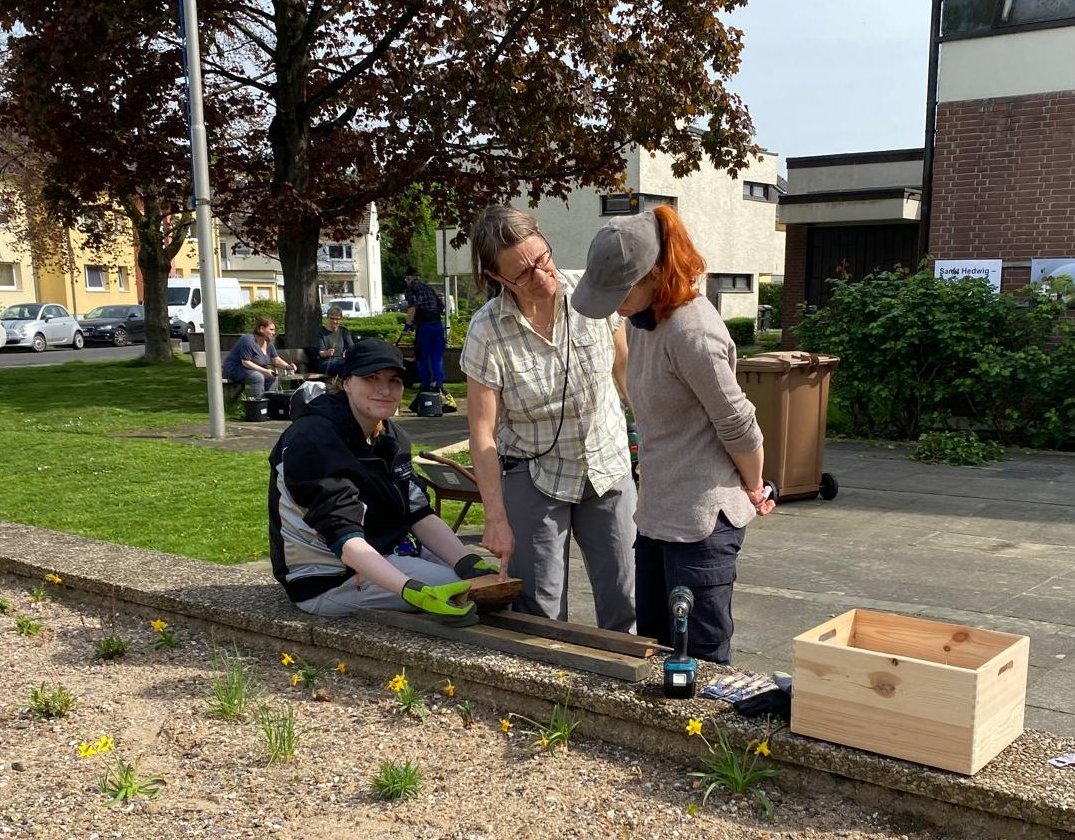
<point>289,136</point>
<point>298,258</point>
<point>154,263</point>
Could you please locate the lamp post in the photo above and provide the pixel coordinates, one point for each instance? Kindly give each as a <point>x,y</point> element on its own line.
<point>188,17</point>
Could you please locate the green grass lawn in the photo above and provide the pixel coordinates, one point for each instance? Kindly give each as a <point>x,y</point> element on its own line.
<point>69,463</point>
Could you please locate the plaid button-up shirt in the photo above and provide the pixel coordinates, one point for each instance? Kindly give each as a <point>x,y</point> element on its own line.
<point>503,352</point>
<point>426,302</point>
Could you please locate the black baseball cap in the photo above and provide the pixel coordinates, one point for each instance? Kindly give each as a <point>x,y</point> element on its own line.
<point>369,355</point>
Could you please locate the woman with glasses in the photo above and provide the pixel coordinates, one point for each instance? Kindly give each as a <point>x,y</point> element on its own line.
<point>547,431</point>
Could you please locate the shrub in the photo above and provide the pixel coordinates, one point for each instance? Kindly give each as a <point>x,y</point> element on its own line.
<point>742,331</point>
<point>916,352</point>
<point>233,321</point>
<point>961,449</point>
<point>388,326</point>
<point>772,294</point>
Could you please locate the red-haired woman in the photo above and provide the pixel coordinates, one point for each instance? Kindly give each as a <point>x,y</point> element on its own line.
<point>700,460</point>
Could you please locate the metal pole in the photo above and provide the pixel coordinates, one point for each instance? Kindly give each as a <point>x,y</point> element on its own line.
<point>203,217</point>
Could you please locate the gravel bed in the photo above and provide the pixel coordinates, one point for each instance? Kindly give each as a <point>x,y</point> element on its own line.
<point>479,783</point>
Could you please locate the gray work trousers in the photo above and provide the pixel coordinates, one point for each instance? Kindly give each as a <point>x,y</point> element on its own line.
<point>346,599</point>
<point>604,528</point>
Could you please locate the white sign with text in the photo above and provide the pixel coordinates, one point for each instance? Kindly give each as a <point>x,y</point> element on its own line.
<point>953,269</point>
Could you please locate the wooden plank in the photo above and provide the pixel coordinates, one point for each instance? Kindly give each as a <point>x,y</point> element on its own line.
<point>579,634</point>
<point>563,654</point>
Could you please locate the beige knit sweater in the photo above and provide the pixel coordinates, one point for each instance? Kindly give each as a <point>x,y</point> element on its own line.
<point>690,413</point>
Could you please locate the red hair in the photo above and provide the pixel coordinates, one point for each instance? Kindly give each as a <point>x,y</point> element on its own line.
<point>678,268</point>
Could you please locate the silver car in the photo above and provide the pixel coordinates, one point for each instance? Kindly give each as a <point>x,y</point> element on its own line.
<point>40,325</point>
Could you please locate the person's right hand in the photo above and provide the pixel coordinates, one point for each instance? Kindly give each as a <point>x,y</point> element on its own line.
<point>330,352</point>
<point>499,540</point>
<point>437,601</point>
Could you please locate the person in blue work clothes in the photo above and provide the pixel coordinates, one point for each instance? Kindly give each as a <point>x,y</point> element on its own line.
<point>349,526</point>
<point>425,312</point>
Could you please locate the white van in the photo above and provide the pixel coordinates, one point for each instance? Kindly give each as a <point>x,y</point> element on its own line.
<point>352,307</point>
<point>185,302</point>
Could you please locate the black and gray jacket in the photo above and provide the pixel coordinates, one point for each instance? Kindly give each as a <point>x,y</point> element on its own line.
<point>329,485</point>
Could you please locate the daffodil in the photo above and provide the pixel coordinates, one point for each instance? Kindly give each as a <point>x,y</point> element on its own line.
<point>158,625</point>
<point>341,667</point>
<point>544,743</point>
<point>694,727</point>
<point>397,683</point>
<point>52,577</point>
<point>86,750</point>
<point>505,725</point>
<point>295,679</point>
<point>763,749</point>
<point>104,744</point>
<point>449,689</point>
<point>287,659</point>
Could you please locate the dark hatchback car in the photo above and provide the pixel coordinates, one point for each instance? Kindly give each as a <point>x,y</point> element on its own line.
<point>118,324</point>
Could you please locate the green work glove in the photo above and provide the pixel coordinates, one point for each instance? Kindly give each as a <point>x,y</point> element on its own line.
<point>474,565</point>
<point>436,602</point>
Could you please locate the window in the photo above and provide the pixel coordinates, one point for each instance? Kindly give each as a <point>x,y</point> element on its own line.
<point>985,17</point>
<point>195,298</point>
<point>729,283</point>
<point>627,204</point>
<point>9,275</point>
<point>240,250</point>
<point>759,192</point>
<point>339,252</point>
<point>95,278</point>
<point>121,278</point>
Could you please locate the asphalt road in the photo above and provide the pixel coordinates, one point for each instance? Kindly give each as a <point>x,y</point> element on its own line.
<point>17,357</point>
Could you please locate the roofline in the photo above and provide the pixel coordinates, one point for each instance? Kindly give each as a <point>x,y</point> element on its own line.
<point>887,156</point>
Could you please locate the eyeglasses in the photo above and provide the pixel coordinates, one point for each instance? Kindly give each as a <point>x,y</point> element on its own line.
<point>527,274</point>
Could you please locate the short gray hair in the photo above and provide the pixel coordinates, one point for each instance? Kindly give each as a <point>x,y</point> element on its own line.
<point>334,310</point>
<point>497,227</point>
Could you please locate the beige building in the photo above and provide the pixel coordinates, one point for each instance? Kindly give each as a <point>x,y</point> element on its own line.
<point>17,281</point>
<point>732,221</point>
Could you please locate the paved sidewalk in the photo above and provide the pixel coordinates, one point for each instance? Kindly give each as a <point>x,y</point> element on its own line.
<point>991,547</point>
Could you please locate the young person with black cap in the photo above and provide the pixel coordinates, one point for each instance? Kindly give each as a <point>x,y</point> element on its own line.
<point>547,432</point>
<point>344,505</point>
<point>700,456</point>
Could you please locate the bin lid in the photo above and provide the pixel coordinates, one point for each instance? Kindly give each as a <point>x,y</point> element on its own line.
<point>784,360</point>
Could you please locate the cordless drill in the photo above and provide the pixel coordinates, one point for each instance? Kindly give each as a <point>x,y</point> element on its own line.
<point>680,670</point>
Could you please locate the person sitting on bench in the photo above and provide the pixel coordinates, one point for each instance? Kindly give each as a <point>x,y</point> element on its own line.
<point>254,361</point>
<point>350,528</point>
<point>332,342</point>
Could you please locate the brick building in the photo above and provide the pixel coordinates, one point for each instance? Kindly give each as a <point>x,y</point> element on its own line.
<point>996,180</point>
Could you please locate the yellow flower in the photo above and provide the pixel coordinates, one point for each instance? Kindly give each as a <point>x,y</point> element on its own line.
<point>763,749</point>
<point>449,689</point>
<point>86,750</point>
<point>544,743</point>
<point>104,744</point>
<point>287,659</point>
<point>694,727</point>
<point>158,625</point>
<point>505,725</point>
<point>341,667</point>
<point>52,577</point>
<point>295,680</point>
<point>397,683</point>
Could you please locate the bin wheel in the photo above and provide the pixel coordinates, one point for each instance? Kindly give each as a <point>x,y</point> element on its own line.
<point>829,486</point>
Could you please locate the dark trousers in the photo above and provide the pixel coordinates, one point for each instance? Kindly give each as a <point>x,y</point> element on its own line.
<point>707,568</point>
<point>429,340</point>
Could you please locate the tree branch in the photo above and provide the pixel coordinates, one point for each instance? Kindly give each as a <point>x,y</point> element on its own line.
<point>511,32</point>
<point>378,50</point>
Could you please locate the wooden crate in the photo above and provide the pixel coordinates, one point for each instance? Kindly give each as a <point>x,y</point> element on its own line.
<point>940,694</point>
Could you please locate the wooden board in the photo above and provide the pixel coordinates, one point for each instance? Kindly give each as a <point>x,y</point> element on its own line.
<point>579,634</point>
<point>491,593</point>
<point>870,680</point>
<point>562,654</point>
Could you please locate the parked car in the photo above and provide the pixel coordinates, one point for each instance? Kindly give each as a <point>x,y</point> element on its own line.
<point>118,324</point>
<point>352,307</point>
<point>399,304</point>
<point>39,325</point>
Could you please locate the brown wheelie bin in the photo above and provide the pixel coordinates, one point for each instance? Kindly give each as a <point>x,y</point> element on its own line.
<point>790,390</point>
